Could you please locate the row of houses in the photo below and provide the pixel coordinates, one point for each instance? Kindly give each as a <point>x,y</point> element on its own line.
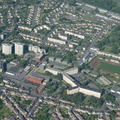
<point>98,52</point>
<point>32,38</point>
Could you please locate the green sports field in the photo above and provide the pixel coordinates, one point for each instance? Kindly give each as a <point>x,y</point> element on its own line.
<point>108,67</point>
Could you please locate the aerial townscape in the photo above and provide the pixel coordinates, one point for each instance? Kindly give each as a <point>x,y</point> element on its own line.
<point>59,59</point>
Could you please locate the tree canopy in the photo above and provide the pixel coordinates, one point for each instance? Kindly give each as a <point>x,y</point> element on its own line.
<point>112,40</point>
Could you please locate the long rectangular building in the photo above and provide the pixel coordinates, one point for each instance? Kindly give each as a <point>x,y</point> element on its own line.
<point>74,34</point>
<point>71,71</point>
<point>53,70</point>
<point>69,80</point>
<point>84,91</point>
<point>34,79</point>
<point>56,40</point>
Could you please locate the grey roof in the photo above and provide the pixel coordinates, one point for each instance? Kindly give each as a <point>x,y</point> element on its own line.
<point>34,63</point>
<point>14,70</point>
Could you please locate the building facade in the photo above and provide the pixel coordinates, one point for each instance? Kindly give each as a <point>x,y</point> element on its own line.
<point>7,48</point>
<point>19,48</point>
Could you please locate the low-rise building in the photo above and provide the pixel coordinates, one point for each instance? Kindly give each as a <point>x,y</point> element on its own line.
<point>86,56</point>
<point>36,49</point>
<point>74,34</point>
<point>53,70</point>
<point>39,57</point>
<point>14,71</point>
<point>25,28</point>
<point>34,79</point>
<point>105,80</point>
<point>51,58</point>
<point>115,90</point>
<point>63,37</point>
<point>56,40</point>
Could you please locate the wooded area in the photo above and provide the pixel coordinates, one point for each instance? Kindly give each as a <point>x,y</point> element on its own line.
<point>112,40</point>
<point>105,4</point>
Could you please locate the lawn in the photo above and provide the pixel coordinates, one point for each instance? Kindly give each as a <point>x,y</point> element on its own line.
<point>107,49</point>
<point>90,17</point>
<point>109,67</point>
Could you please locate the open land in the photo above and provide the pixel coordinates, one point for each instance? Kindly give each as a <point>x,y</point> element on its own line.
<point>106,66</point>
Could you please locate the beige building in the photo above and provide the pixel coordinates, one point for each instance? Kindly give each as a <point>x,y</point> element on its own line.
<point>54,40</point>
<point>25,28</point>
<point>74,34</point>
<point>53,70</point>
<point>84,91</point>
<point>7,48</point>
<point>19,48</point>
<point>69,80</point>
<point>71,71</point>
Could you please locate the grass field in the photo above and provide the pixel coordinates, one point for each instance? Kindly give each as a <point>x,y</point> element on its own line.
<point>89,17</point>
<point>109,67</point>
<point>107,49</point>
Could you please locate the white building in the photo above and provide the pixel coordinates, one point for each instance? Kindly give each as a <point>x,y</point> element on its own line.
<point>19,48</point>
<point>53,71</point>
<point>7,48</point>
<point>56,40</point>
<point>115,90</point>
<point>73,91</point>
<point>71,71</point>
<point>62,36</point>
<point>33,48</point>
<point>36,49</point>
<point>84,91</point>
<point>90,92</point>
<point>74,34</point>
<point>1,36</point>
<point>25,28</point>
<point>69,80</point>
<point>41,27</point>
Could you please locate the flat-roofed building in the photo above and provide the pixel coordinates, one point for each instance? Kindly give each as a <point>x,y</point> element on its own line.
<point>73,90</point>
<point>85,91</point>
<point>74,34</point>
<point>53,70</point>
<point>25,28</point>
<point>7,48</point>
<point>71,71</point>
<point>14,71</point>
<point>69,80</point>
<point>19,48</point>
<point>56,40</point>
<point>34,79</point>
<point>64,37</point>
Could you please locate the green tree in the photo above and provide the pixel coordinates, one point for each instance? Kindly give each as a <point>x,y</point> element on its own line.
<point>112,115</point>
<point>10,58</point>
<point>23,63</point>
<point>109,97</point>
